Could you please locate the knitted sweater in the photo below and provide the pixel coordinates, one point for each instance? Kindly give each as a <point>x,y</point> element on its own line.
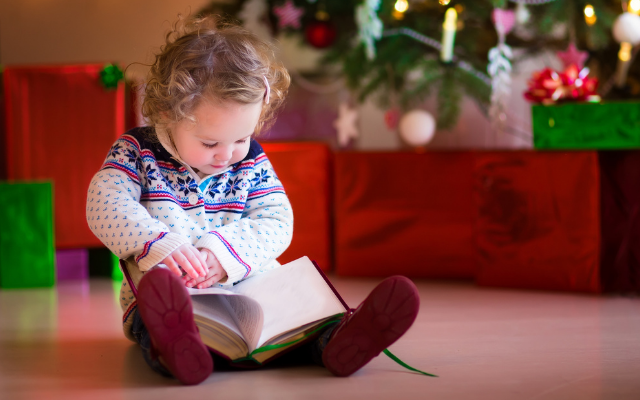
<point>145,202</point>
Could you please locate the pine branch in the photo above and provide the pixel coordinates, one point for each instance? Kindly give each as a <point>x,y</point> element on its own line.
<point>449,97</point>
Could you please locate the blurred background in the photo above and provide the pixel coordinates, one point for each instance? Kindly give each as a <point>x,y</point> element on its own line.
<point>325,54</point>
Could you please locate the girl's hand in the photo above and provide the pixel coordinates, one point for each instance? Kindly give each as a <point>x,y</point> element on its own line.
<point>189,259</point>
<point>215,274</point>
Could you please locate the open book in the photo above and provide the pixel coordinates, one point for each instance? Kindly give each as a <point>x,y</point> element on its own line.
<point>265,314</point>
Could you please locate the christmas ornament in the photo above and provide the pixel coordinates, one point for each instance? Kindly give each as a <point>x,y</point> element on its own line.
<point>504,20</point>
<point>391,118</point>
<point>522,14</point>
<point>320,34</point>
<point>436,45</point>
<point>346,124</point>
<point>369,25</point>
<point>417,127</point>
<point>499,68</point>
<point>573,56</point>
<point>449,28</point>
<point>251,14</point>
<point>626,28</point>
<point>288,15</point>
<point>549,87</point>
<point>110,76</point>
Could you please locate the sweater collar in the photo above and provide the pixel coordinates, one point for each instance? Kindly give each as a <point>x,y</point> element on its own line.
<point>165,140</point>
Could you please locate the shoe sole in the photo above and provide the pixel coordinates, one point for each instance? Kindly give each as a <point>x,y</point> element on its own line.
<point>385,315</point>
<point>165,307</point>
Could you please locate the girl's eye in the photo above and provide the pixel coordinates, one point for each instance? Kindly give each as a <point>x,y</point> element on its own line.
<point>209,146</point>
<point>242,141</point>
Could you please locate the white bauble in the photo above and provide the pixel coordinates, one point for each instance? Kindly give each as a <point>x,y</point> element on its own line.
<point>522,14</point>
<point>626,28</point>
<point>417,127</point>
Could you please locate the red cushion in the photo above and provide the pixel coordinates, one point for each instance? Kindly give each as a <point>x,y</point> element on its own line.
<point>304,169</point>
<point>404,213</point>
<point>538,220</point>
<point>60,124</point>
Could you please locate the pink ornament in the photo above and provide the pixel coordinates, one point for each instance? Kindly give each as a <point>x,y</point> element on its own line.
<point>288,15</point>
<point>573,56</point>
<point>504,20</point>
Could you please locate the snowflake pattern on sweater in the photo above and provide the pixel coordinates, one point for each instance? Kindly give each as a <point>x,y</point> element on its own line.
<point>144,203</point>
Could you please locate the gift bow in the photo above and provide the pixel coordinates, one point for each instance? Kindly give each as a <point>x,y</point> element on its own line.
<point>549,86</point>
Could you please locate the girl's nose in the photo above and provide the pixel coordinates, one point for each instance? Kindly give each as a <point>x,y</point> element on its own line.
<point>224,153</point>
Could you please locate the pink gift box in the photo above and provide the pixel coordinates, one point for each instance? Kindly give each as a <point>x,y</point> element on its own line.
<point>72,264</point>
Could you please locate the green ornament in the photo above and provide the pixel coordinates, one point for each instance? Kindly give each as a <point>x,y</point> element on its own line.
<point>110,75</point>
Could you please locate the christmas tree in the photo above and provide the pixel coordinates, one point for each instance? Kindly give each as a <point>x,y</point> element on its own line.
<point>403,51</point>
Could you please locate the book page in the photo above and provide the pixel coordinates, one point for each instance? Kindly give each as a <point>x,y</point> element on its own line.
<point>292,295</point>
<point>215,309</point>
<point>220,339</point>
<point>239,313</point>
<point>248,316</point>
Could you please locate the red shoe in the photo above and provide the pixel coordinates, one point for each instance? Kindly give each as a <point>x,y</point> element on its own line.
<point>165,307</point>
<point>382,318</point>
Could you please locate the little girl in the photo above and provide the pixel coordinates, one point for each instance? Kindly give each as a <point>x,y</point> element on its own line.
<point>195,193</point>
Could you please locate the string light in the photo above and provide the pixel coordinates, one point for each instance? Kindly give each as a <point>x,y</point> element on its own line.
<point>444,2</point>
<point>399,9</point>
<point>590,15</point>
<point>625,51</point>
<point>403,5</point>
<point>634,6</point>
<point>459,9</point>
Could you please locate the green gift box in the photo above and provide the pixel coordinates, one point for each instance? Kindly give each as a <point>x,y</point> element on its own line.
<point>27,251</point>
<point>594,126</point>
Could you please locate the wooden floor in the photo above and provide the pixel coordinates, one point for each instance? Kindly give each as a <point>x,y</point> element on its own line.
<point>66,343</point>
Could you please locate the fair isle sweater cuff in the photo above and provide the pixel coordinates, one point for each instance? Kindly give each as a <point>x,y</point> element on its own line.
<point>158,249</point>
<point>236,269</point>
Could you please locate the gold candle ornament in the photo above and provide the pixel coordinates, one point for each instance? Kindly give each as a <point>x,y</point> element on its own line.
<point>448,34</point>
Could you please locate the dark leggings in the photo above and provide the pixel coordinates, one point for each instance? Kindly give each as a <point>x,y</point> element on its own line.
<point>308,352</point>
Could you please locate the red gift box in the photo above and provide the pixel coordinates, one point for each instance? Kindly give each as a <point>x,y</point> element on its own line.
<point>60,123</point>
<point>304,170</point>
<point>404,213</point>
<point>538,224</point>
<point>620,211</point>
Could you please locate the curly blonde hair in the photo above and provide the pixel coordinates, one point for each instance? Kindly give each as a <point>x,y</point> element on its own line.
<point>210,58</point>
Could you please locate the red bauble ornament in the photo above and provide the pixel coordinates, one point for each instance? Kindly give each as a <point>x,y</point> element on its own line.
<point>320,34</point>
<point>391,118</point>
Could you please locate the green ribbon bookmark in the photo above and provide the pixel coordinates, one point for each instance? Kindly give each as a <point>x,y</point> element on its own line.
<point>399,361</point>
<point>321,327</point>
<point>278,346</point>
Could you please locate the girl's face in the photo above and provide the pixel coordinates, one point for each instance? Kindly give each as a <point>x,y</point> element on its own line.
<point>219,137</point>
